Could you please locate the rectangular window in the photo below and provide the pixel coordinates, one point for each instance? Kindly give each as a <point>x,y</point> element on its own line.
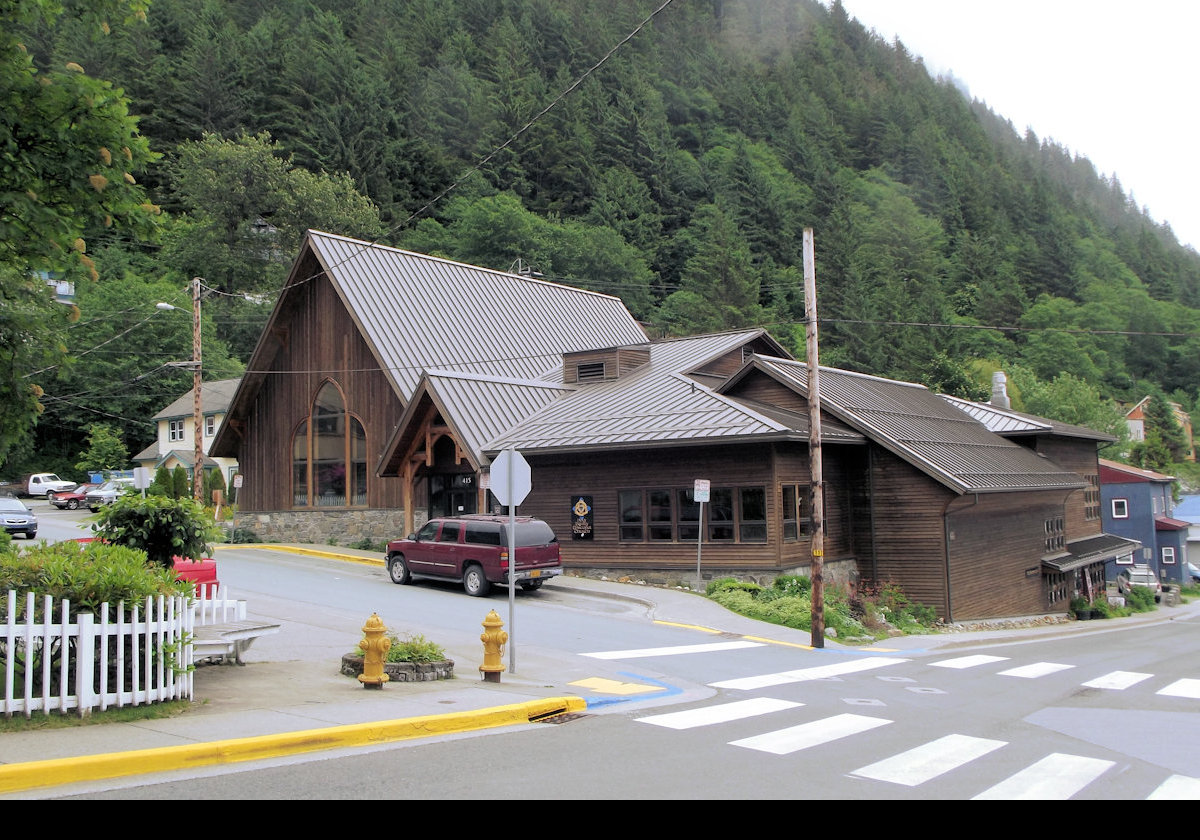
<point>1120,508</point>
<point>752,514</point>
<point>1091,498</point>
<point>1054,534</point>
<point>662,517</point>
<point>210,426</point>
<point>1168,555</point>
<point>689,516</point>
<point>175,430</point>
<point>719,514</point>
<point>790,513</point>
<point>633,519</point>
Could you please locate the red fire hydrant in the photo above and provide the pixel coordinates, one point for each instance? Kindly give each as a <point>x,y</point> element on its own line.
<point>375,645</point>
<point>493,639</point>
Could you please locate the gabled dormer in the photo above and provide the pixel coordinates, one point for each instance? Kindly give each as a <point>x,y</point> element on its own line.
<point>586,366</point>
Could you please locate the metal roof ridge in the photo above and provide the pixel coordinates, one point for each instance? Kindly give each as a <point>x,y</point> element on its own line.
<point>442,373</point>
<point>843,372</point>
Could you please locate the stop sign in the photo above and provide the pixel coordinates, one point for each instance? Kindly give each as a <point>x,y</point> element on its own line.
<point>510,465</point>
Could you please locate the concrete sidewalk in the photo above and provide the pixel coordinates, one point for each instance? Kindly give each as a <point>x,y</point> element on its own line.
<point>290,697</point>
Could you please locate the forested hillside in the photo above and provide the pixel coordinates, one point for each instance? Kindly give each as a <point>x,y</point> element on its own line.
<point>675,164</point>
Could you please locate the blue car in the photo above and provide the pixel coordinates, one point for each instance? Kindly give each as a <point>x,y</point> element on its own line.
<point>1193,572</point>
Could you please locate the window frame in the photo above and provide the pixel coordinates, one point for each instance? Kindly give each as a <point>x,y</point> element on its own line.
<point>1124,503</point>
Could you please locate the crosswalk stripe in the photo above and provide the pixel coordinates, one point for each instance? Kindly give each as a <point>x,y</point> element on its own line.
<point>1117,680</point>
<point>1182,688</point>
<point>968,661</point>
<point>722,713</point>
<point>820,672</point>
<point>1057,776</point>
<point>671,651</point>
<point>792,739</point>
<point>1037,669</point>
<point>928,761</point>
<point>1178,788</point>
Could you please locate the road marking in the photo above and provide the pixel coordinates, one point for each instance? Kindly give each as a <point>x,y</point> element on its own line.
<point>968,661</point>
<point>722,713</point>
<point>820,672</point>
<point>1117,680</point>
<point>1057,776</point>
<point>1178,787</point>
<point>1037,669</point>
<point>792,739</point>
<point>1182,688</point>
<point>929,761</point>
<point>674,650</point>
<point>607,686</point>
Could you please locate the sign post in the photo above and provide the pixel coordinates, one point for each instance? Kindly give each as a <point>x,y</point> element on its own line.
<point>700,493</point>
<point>511,481</point>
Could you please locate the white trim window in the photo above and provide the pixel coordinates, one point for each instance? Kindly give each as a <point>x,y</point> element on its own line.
<point>1120,508</point>
<point>174,430</point>
<point>210,426</point>
<point>1168,555</point>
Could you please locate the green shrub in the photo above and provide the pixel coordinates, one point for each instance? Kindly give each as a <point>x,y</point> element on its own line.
<point>412,648</point>
<point>796,585</point>
<point>162,527</point>
<point>728,583</point>
<point>87,575</point>
<point>1139,599</point>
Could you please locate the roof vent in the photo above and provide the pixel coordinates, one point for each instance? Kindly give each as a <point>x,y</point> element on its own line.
<point>589,371</point>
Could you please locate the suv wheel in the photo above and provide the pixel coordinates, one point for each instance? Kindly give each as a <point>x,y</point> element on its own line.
<point>398,569</point>
<point>474,581</point>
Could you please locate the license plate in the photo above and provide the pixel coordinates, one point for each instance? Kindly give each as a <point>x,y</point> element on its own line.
<point>536,573</point>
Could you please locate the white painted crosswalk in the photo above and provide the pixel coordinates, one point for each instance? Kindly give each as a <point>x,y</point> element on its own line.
<point>1055,776</point>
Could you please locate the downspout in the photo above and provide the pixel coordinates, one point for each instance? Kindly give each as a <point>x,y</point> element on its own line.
<point>946,543</point>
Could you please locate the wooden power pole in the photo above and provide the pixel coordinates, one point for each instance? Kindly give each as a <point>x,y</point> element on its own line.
<point>817,571</point>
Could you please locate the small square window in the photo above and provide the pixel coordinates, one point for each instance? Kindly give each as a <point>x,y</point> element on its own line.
<point>1120,508</point>
<point>1168,555</point>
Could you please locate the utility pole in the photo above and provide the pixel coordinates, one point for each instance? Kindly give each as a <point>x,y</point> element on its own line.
<point>817,570</point>
<point>197,412</point>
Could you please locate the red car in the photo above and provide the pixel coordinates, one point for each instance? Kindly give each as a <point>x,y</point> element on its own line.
<point>70,499</point>
<point>473,549</point>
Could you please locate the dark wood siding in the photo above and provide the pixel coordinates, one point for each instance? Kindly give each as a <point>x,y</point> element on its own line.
<point>318,340</point>
<point>909,537</point>
<point>996,545</point>
<point>1078,455</point>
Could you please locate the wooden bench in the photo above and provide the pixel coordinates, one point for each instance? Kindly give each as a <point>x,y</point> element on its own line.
<point>229,638</point>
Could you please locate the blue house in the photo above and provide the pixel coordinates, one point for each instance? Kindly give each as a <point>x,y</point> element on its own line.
<point>1138,504</point>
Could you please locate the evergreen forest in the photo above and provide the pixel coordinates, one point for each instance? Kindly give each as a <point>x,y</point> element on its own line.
<point>670,153</point>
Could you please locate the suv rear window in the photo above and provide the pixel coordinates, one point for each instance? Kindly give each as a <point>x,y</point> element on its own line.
<point>534,533</point>
<point>480,533</point>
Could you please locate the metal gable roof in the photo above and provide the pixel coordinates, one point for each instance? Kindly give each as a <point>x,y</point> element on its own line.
<point>916,425</point>
<point>419,312</point>
<point>1006,421</point>
<point>653,404</point>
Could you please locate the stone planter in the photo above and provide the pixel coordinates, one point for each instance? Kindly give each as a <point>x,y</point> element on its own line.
<point>352,666</point>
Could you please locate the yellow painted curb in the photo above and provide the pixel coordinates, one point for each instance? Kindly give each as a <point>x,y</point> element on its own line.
<point>314,552</point>
<point>62,771</point>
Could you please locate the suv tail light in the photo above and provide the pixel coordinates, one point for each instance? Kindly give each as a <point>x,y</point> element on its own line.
<point>504,558</point>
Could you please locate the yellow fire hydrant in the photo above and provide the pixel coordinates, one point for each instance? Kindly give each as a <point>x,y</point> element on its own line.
<point>375,645</point>
<point>493,639</point>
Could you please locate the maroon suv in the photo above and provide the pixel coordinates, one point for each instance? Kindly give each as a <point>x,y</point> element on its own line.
<point>474,549</point>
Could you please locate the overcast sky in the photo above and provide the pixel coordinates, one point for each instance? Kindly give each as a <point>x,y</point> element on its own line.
<point>1114,82</point>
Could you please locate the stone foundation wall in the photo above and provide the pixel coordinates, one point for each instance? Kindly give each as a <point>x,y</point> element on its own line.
<point>835,573</point>
<point>323,527</point>
<point>443,669</point>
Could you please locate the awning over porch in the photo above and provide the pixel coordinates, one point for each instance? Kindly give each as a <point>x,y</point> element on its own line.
<point>1098,549</point>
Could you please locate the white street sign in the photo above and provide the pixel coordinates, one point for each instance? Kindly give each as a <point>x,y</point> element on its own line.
<point>520,481</point>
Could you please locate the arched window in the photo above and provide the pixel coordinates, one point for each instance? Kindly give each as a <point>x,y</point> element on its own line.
<point>329,455</point>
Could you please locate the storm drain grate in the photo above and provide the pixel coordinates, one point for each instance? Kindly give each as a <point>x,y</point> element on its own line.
<point>563,718</point>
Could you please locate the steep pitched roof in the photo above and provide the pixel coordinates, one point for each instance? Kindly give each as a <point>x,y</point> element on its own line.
<point>919,427</point>
<point>657,404</point>
<point>420,313</point>
<point>215,397</point>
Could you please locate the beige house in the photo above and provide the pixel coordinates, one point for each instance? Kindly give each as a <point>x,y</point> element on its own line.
<point>175,443</point>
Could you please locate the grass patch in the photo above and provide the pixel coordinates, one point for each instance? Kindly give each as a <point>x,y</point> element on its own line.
<point>128,714</point>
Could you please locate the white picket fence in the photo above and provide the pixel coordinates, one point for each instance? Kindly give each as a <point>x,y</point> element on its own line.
<point>122,657</point>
